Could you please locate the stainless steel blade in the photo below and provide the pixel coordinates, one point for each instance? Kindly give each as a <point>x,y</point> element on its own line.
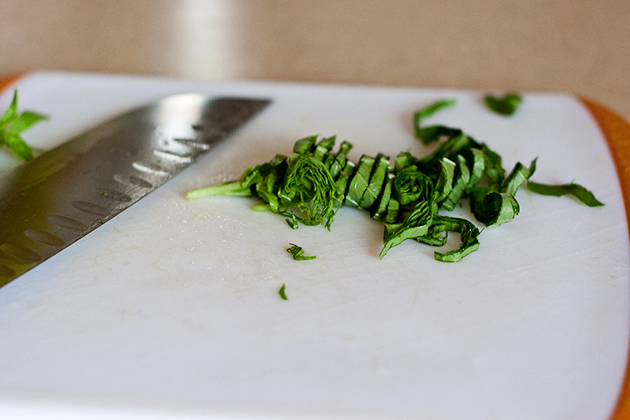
<point>59,197</point>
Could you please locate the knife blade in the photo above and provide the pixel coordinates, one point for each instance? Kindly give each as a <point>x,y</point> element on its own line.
<point>57,198</point>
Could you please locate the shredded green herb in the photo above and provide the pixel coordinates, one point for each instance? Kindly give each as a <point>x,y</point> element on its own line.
<point>578,191</point>
<point>282,293</point>
<point>13,124</point>
<point>409,195</point>
<point>298,253</point>
<point>507,105</point>
<point>435,132</point>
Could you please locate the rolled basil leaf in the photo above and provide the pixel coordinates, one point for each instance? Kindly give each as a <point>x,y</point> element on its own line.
<point>411,185</point>
<point>310,188</point>
<point>493,208</point>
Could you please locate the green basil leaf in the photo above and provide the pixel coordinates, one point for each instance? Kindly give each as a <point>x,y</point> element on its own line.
<point>19,146</point>
<point>493,208</point>
<point>433,133</point>
<point>393,211</point>
<point>267,189</point>
<point>338,162</point>
<point>382,204</point>
<point>26,120</point>
<point>403,160</point>
<point>450,148</point>
<point>227,188</point>
<point>492,166</point>
<point>506,105</point>
<point>304,145</point>
<point>578,191</point>
<point>516,178</point>
<point>415,225</point>
<point>444,184</point>
<point>468,234</point>
<point>344,179</point>
<point>298,253</point>
<point>11,113</point>
<point>460,186</point>
<point>309,187</point>
<point>377,180</point>
<point>478,167</point>
<point>432,109</point>
<point>323,148</point>
<point>410,185</point>
<point>360,180</point>
<point>282,293</point>
<point>12,124</point>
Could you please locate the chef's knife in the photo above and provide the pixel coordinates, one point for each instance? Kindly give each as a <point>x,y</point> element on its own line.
<point>64,194</point>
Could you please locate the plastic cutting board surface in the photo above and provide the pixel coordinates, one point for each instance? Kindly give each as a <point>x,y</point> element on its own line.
<point>171,309</point>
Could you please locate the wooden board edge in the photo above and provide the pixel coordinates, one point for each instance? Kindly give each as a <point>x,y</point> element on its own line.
<point>10,80</point>
<point>616,131</point>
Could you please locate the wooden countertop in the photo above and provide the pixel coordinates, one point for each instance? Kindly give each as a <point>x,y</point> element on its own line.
<point>570,46</point>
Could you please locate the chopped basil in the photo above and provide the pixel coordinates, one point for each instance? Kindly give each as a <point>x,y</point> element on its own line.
<point>282,293</point>
<point>298,253</point>
<point>507,105</point>
<point>433,133</point>
<point>578,191</point>
<point>312,184</point>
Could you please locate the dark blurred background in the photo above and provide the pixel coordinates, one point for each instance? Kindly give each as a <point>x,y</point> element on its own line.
<point>573,46</point>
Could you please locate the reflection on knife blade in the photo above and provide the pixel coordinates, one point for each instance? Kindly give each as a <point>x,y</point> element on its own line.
<point>59,197</point>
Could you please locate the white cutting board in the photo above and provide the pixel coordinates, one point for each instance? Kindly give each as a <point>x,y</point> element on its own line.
<point>171,310</point>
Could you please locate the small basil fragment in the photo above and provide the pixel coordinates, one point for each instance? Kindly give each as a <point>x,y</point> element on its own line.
<point>506,105</point>
<point>578,191</point>
<point>298,253</point>
<point>282,293</point>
